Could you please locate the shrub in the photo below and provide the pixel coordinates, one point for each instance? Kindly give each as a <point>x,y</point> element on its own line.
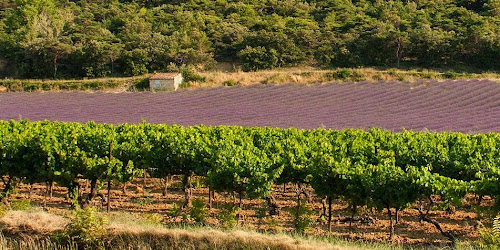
<point>175,211</point>
<point>261,214</point>
<point>21,204</point>
<point>152,218</point>
<point>276,79</point>
<point>142,84</point>
<point>190,75</point>
<point>358,77</point>
<point>87,227</point>
<point>451,75</point>
<point>199,211</point>
<point>302,217</point>
<point>273,225</point>
<point>230,83</point>
<point>227,216</point>
<point>392,72</point>
<point>343,74</point>
<point>3,209</point>
<point>492,238</point>
<point>256,58</point>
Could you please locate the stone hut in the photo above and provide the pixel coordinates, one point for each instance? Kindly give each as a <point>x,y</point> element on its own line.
<point>165,81</point>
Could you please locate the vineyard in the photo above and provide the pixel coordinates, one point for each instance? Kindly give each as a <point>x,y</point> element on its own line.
<point>461,106</point>
<point>376,169</point>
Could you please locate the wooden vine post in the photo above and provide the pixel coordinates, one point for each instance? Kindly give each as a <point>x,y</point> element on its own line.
<point>108,205</point>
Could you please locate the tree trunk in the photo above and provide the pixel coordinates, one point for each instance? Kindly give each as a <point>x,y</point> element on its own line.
<point>354,208</point>
<point>391,225</point>
<point>234,198</point>
<point>51,188</point>
<point>55,66</point>
<point>30,190</point>
<point>399,51</point>
<point>186,183</point>
<point>479,200</point>
<point>329,214</point>
<point>298,194</point>
<point>209,199</point>
<point>240,203</point>
<point>46,194</point>
<point>397,216</point>
<point>165,186</point>
<point>108,203</point>
<point>273,205</point>
<point>448,234</point>
<point>8,185</point>
<point>84,189</point>
<point>124,188</point>
<point>93,189</point>
<point>324,205</point>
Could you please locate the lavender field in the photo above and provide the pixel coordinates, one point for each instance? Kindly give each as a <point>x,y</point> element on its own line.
<point>464,106</point>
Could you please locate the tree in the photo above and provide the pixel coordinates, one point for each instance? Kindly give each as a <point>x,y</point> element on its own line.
<point>257,58</point>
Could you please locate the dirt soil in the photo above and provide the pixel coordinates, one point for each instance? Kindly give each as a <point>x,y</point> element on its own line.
<point>145,196</point>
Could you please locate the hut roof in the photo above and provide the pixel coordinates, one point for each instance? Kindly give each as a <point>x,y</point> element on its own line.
<point>164,76</point>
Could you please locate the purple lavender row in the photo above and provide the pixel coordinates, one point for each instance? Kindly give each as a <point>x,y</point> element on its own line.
<point>464,106</point>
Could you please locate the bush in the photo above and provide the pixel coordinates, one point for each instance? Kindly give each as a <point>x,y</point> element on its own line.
<point>343,74</point>
<point>142,84</point>
<point>302,217</point>
<point>227,216</point>
<point>256,58</point>
<point>152,218</point>
<point>451,75</point>
<point>87,227</point>
<point>199,211</point>
<point>21,204</point>
<point>273,225</point>
<point>190,75</point>
<point>261,214</point>
<point>3,209</point>
<point>491,238</point>
<point>230,83</point>
<point>358,77</point>
<point>175,211</point>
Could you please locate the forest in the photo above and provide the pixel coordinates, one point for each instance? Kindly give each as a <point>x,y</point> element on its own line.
<point>99,38</point>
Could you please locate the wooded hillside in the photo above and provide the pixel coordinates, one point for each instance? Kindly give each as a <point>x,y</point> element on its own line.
<point>95,38</point>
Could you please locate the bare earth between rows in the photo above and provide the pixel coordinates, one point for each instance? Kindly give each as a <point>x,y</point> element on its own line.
<point>463,106</point>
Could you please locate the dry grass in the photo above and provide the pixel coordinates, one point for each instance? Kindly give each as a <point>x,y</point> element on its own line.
<point>229,72</point>
<point>126,230</point>
<point>33,230</point>
<point>127,226</point>
<point>310,75</point>
<point>33,221</point>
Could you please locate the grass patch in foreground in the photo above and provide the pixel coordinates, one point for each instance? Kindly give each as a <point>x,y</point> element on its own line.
<point>130,231</point>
